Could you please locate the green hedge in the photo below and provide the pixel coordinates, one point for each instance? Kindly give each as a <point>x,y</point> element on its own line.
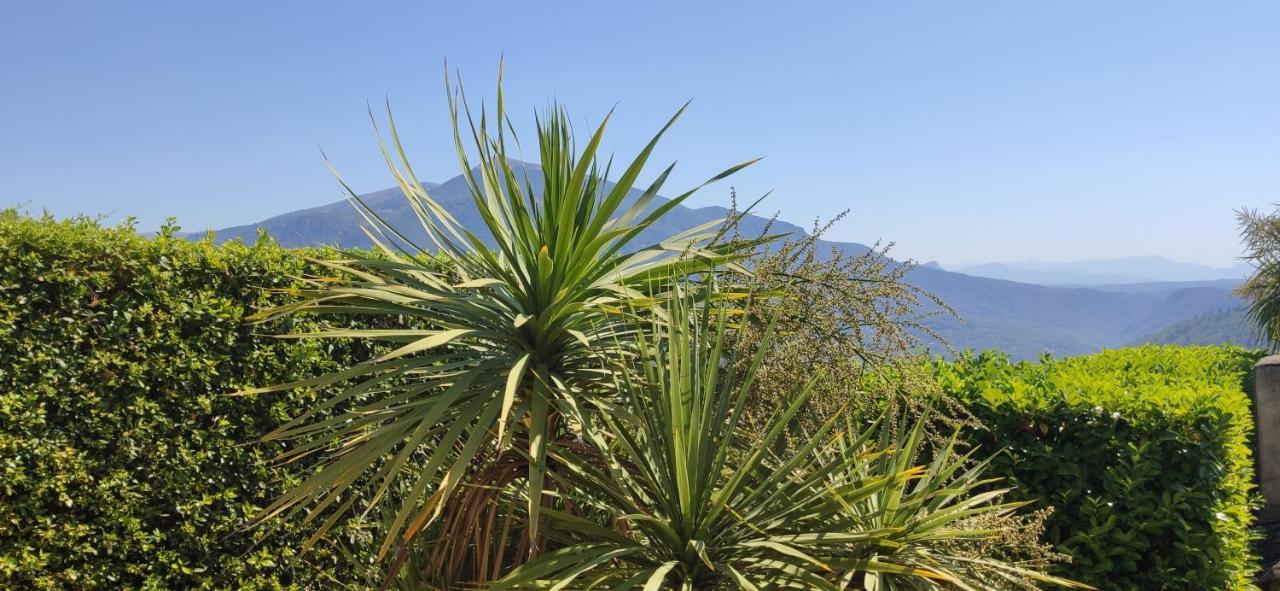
<point>124,466</point>
<point>122,463</point>
<point>1144,455</point>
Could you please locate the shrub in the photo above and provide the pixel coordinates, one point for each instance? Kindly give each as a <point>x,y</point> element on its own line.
<point>123,463</point>
<point>1143,454</point>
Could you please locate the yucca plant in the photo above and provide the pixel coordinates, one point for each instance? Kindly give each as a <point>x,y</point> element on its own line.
<point>949,520</point>
<point>519,329</point>
<point>684,501</point>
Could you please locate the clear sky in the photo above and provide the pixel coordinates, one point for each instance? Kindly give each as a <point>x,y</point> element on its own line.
<point>964,131</point>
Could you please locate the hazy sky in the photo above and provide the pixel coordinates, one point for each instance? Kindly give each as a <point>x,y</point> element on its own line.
<point>964,131</point>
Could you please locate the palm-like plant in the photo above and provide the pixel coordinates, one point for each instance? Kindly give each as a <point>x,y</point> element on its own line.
<point>519,330</point>
<point>1260,233</point>
<point>939,522</point>
<point>683,501</point>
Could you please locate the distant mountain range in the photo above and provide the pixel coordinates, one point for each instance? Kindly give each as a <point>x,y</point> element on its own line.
<point>1021,318</point>
<point>1127,270</point>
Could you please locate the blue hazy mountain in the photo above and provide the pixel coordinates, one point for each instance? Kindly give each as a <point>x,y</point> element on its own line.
<point>1127,270</point>
<point>339,224</point>
<point>1023,319</point>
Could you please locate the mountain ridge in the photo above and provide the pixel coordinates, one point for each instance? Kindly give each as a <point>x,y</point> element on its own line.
<point>1020,318</point>
<point>1096,272</point>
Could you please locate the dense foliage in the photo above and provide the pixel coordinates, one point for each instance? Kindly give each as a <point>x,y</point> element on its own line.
<point>695,505</point>
<point>125,467</point>
<point>1142,453</point>
<point>123,464</point>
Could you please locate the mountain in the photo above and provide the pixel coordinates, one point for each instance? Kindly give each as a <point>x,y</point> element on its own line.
<point>1129,270</point>
<point>335,223</point>
<point>1011,272</point>
<point>1020,318</point>
<point>339,224</point>
<point>1229,326</point>
<point>1165,286</point>
<point>1024,319</point>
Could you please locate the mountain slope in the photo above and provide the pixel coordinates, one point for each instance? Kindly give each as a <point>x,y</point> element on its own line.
<point>1010,272</point>
<point>339,224</point>
<point>1169,286</point>
<point>334,223</point>
<point>1025,320</point>
<point>1105,272</point>
<point>1229,326</point>
<point>1022,319</point>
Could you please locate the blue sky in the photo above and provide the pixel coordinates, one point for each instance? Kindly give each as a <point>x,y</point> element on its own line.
<point>963,131</point>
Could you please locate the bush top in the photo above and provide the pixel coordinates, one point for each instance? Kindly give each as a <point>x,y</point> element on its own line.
<point>1167,379</point>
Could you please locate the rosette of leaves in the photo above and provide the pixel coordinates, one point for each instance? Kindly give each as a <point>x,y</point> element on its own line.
<point>687,498</point>
<point>516,334</point>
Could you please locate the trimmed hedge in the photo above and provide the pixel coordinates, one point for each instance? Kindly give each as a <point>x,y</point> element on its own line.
<point>123,465</point>
<point>1143,454</point>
